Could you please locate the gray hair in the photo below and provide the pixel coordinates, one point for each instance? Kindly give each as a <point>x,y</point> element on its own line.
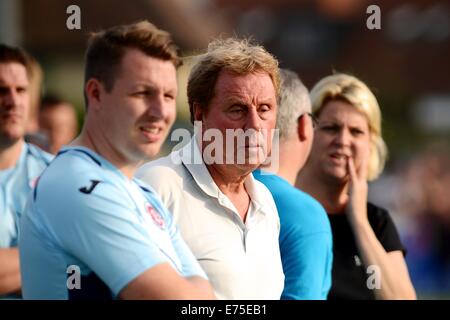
<point>239,56</point>
<point>293,101</point>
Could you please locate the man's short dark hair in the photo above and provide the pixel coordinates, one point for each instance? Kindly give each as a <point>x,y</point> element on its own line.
<point>106,49</point>
<point>10,54</point>
<point>50,101</point>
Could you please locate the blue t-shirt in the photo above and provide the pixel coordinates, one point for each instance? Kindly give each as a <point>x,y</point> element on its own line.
<point>306,243</point>
<point>85,215</point>
<point>15,185</point>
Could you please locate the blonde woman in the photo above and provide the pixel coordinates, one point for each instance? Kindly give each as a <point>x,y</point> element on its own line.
<point>348,151</point>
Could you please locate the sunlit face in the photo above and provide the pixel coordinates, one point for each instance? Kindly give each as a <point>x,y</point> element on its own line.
<point>14,101</point>
<point>343,132</point>
<point>246,102</point>
<point>141,108</point>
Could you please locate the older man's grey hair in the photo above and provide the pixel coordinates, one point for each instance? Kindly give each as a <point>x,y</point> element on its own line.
<point>294,101</point>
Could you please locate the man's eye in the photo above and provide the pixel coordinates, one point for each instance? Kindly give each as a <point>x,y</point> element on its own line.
<point>169,96</point>
<point>237,113</point>
<point>237,109</point>
<point>145,92</point>
<point>264,108</point>
<point>330,128</point>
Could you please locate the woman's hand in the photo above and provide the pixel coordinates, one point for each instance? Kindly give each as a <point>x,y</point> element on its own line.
<point>358,190</point>
<point>395,281</point>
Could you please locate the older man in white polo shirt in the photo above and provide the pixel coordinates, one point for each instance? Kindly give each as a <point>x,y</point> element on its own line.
<point>228,219</point>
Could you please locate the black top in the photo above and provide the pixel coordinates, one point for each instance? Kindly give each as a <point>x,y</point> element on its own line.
<point>349,278</point>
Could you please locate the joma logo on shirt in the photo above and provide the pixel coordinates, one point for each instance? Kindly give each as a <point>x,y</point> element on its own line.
<point>88,190</point>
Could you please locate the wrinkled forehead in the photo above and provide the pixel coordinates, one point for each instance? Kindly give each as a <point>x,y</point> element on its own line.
<point>257,83</point>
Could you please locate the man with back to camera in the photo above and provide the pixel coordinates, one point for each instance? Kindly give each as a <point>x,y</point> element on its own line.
<point>20,163</point>
<point>305,232</point>
<point>87,212</point>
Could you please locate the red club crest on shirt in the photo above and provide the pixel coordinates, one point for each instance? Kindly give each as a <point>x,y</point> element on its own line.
<point>156,217</point>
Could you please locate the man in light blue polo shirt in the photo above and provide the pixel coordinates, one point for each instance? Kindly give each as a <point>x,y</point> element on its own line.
<point>91,231</point>
<point>20,163</point>
<point>305,232</point>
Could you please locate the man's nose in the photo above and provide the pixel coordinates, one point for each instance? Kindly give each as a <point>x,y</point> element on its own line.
<point>253,121</point>
<point>10,98</point>
<point>157,107</point>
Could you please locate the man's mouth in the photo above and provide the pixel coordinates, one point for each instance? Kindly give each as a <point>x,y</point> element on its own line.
<point>152,133</point>
<point>151,130</point>
<point>15,117</point>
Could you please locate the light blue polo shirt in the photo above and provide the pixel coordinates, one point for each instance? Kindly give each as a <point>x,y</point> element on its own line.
<point>306,243</point>
<point>15,185</point>
<point>86,213</point>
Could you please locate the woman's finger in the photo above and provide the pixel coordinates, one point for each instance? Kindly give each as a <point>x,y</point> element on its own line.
<point>351,168</point>
<point>363,168</point>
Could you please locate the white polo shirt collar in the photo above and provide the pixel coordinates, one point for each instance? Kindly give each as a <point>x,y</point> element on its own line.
<point>203,178</point>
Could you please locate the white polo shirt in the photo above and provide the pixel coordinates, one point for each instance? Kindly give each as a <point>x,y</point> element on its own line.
<point>242,260</point>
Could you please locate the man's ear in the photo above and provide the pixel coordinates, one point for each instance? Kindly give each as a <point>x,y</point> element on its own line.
<point>198,112</point>
<point>302,127</point>
<point>93,91</point>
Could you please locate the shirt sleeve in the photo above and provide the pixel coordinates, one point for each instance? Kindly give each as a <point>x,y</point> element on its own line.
<point>160,178</point>
<point>190,265</point>
<point>102,230</point>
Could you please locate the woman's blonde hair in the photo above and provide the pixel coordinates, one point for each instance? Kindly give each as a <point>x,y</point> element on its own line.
<point>350,89</point>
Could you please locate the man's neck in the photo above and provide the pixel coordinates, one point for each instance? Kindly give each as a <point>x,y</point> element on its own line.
<point>86,139</point>
<point>227,179</point>
<point>230,181</point>
<point>289,163</point>
<point>10,154</point>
